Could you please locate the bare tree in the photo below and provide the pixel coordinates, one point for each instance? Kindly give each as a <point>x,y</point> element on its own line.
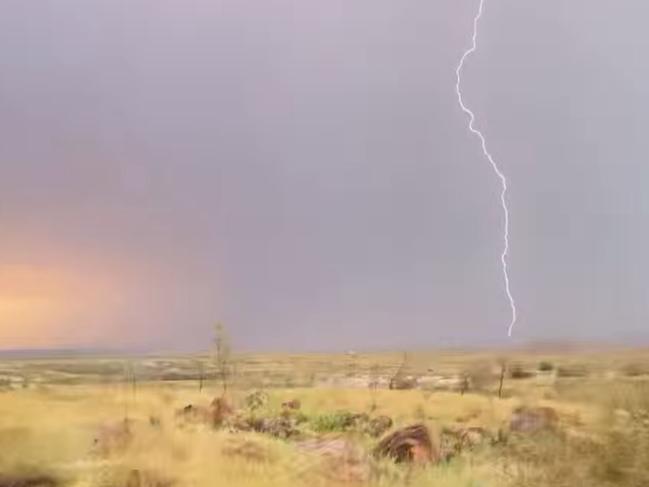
<point>129,377</point>
<point>134,380</point>
<point>352,363</point>
<point>373,385</point>
<point>464,385</point>
<point>503,369</point>
<point>222,356</point>
<point>201,375</point>
<point>400,380</point>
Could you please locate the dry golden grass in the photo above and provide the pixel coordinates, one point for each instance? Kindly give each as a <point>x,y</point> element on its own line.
<point>49,426</point>
<point>52,431</point>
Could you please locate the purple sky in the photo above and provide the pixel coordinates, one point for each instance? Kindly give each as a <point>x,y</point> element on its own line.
<point>302,172</point>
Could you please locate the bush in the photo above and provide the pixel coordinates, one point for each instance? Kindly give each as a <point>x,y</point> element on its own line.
<point>480,376</point>
<point>256,400</point>
<point>618,456</point>
<point>400,382</point>
<point>518,372</point>
<point>340,421</point>
<point>546,366</point>
<point>635,370</point>
<point>572,371</point>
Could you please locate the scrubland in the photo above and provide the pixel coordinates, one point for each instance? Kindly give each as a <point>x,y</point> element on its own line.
<point>116,422</point>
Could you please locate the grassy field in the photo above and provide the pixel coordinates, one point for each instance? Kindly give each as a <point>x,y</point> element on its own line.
<point>116,422</point>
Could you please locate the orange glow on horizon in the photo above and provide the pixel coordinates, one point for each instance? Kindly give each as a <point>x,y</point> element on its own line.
<point>49,307</point>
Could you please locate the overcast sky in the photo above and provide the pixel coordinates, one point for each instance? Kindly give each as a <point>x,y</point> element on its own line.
<point>301,170</point>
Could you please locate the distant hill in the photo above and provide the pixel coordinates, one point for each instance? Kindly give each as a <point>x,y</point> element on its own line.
<point>38,353</point>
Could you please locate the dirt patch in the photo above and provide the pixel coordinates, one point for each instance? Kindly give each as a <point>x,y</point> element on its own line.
<point>27,481</point>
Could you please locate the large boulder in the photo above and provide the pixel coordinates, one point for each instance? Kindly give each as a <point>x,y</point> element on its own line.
<point>408,445</point>
<point>533,419</point>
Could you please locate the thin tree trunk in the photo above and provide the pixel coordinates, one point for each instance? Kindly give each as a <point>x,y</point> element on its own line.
<point>502,378</point>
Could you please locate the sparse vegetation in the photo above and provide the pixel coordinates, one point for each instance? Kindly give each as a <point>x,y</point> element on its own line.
<point>222,356</point>
<point>635,369</point>
<point>572,370</point>
<point>480,376</point>
<point>546,366</point>
<point>339,421</point>
<point>517,371</point>
<point>70,431</point>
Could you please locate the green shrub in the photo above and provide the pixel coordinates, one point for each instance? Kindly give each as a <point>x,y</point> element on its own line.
<point>340,421</point>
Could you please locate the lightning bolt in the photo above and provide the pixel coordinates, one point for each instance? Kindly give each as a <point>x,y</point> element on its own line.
<point>499,173</point>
